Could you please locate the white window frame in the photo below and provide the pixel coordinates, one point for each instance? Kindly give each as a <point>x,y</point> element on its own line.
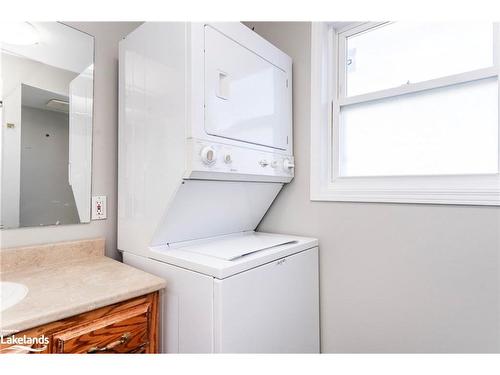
<point>326,99</point>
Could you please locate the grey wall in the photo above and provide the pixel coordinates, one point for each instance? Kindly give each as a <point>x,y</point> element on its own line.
<point>393,277</point>
<point>46,196</point>
<point>104,163</point>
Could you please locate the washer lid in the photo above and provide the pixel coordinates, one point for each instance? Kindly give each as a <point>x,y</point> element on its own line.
<point>233,247</point>
<point>209,256</point>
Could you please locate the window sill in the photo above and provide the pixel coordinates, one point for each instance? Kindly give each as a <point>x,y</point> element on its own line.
<point>404,197</point>
<point>387,191</point>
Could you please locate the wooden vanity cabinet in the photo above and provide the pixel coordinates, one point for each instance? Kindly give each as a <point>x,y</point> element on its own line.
<point>126,327</point>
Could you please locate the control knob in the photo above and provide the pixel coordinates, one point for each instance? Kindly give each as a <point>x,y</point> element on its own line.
<point>208,155</point>
<point>287,164</point>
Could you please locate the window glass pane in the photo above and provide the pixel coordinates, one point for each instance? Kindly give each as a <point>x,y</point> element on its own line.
<point>450,130</point>
<point>395,54</point>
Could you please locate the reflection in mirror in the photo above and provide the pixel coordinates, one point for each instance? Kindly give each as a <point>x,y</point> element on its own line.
<point>46,94</point>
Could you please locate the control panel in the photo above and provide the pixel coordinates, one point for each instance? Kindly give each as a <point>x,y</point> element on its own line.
<point>210,159</point>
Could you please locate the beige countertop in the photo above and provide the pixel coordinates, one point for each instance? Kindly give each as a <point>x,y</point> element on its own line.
<point>67,279</point>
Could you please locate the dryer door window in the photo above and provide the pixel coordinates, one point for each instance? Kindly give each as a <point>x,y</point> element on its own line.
<point>245,96</point>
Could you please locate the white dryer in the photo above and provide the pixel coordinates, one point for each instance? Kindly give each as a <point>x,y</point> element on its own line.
<point>205,146</point>
<point>242,293</point>
<point>205,131</point>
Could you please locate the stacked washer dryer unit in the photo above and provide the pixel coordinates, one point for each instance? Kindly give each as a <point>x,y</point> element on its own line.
<point>205,146</point>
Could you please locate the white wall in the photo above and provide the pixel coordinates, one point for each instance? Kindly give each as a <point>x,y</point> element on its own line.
<point>10,158</point>
<point>46,196</point>
<point>104,163</point>
<point>15,71</point>
<point>393,277</point>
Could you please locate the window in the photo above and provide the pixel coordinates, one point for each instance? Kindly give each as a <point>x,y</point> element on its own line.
<point>411,114</point>
<point>394,54</point>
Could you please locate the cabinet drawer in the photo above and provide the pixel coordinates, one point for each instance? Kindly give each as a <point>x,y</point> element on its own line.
<point>123,332</point>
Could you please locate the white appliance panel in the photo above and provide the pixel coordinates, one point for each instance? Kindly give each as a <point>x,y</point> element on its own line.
<point>246,96</point>
<point>237,163</point>
<point>270,309</point>
<point>202,209</point>
<point>186,314</point>
<point>151,131</point>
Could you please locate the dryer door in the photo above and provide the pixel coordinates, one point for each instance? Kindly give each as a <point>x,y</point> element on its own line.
<point>246,96</point>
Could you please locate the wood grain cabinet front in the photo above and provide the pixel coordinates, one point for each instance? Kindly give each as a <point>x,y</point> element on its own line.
<point>126,327</point>
<point>123,332</point>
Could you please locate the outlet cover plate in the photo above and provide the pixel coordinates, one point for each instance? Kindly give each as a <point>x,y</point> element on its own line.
<point>99,207</point>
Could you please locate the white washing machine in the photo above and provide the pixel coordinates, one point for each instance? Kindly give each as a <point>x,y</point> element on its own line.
<point>205,146</point>
<point>244,293</point>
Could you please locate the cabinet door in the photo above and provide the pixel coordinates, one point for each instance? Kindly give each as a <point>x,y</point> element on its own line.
<point>273,308</point>
<point>124,332</point>
<point>245,95</point>
<point>130,326</point>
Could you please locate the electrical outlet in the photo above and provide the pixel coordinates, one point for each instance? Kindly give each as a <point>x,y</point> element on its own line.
<point>99,207</point>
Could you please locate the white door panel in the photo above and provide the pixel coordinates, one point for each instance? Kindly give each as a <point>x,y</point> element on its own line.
<point>273,308</point>
<point>245,95</point>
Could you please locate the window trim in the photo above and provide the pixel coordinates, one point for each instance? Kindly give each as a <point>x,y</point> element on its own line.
<point>327,185</point>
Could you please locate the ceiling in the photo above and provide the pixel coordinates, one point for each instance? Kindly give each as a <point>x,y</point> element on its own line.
<point>60,46</point>
<point>38,98</point>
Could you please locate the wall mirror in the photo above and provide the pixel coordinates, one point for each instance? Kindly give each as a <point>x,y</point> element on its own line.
<point>46,100</point>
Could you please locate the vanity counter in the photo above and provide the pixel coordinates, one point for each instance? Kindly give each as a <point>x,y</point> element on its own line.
<point>66,279</point>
